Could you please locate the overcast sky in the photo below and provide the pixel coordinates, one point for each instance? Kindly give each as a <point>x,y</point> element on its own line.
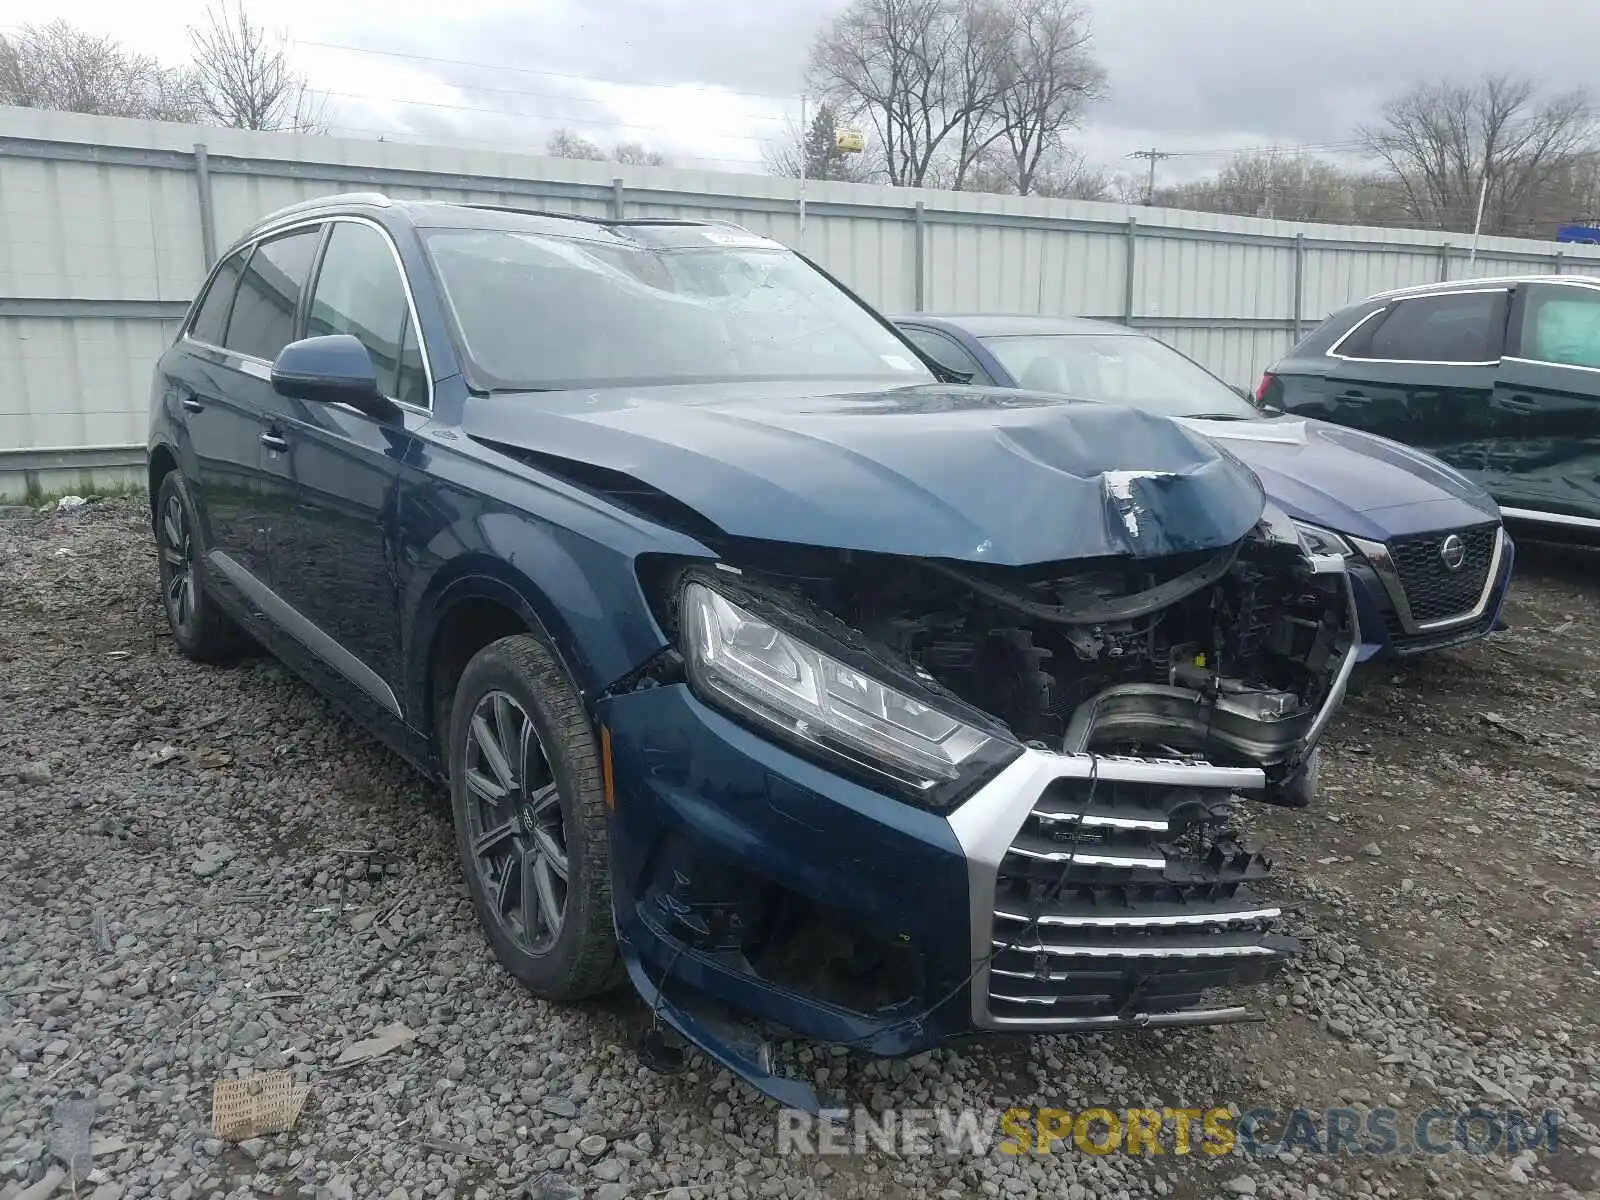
<point>709,81</point>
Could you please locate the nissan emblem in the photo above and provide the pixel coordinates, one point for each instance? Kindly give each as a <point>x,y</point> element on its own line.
<point>1453,552</point>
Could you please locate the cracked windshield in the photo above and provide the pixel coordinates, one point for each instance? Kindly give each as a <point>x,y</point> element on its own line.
<point>722,314</point>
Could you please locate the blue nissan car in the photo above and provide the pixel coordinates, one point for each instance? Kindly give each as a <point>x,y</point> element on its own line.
<point>1427,552</point>
<point>769,667</point>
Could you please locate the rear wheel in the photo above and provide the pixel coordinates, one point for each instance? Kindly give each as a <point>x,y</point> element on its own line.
<point>531,822</point>
<point>201,630</point>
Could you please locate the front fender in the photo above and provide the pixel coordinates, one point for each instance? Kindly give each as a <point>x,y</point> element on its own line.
<point>590,657</point>
<point>563,568</point>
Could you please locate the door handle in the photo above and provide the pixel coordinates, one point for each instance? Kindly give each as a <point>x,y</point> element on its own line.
<point>273,441</point>
<point>1353,397</point>
<point>191,402</point>
<point>1516,404</point>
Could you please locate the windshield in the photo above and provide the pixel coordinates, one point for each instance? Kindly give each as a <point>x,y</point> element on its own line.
<point>1119,369</point>
<point>609,310</point>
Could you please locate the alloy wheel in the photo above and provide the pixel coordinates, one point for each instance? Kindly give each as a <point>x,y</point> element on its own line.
<point>177,558</point>
<point>515,822</point>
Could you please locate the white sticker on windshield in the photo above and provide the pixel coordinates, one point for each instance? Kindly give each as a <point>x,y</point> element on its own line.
<point>737,237</point>
<point>898,363</point>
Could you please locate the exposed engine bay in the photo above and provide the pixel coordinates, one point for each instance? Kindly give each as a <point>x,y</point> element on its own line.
<point>1120,706</point>
<point>1111,877</point>
<point>1226,654</point>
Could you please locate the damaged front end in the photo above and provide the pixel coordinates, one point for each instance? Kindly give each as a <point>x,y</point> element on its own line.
<point>1003,798</point>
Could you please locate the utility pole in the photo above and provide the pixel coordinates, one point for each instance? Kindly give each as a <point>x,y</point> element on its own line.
<point>1154,156</point>
<point>805,147</point>
<point>1477,224</point>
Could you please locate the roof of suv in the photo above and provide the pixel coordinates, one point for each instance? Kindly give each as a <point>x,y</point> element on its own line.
<point>1496,281</point>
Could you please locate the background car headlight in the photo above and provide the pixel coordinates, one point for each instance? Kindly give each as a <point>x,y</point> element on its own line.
<point>1318,540</point>
<point>755,668</point>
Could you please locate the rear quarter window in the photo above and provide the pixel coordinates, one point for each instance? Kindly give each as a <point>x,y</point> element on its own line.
<point>262,321</point>
<point>1458,327</point>
<point>211,319</point>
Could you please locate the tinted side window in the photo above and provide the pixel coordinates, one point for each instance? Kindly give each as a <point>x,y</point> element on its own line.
<point>1464,327</point>
<point>359,291</point>
<point>263,314</point>
<point>1562,325</point>
<point>948,351</point>
<point>211,319</point>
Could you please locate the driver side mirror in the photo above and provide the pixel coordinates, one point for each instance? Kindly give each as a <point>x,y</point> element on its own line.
<point>332,369</point>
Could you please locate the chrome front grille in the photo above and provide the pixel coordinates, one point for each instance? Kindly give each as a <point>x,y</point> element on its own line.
<point>1129,901</point>
<point>1433,590</point>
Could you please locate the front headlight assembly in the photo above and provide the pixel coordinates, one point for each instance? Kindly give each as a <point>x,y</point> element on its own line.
<point>756,670</point>
<point>1318,540</point>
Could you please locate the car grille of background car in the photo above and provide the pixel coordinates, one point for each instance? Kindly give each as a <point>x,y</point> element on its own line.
<point>1434,590</point>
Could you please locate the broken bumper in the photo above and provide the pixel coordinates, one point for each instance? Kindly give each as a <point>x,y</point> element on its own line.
<point>754,888</point>
<point>748,879</point>
<point>1112,891</point>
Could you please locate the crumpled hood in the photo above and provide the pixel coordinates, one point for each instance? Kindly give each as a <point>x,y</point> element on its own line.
<point>975,474</point>
<point>1350,481</point>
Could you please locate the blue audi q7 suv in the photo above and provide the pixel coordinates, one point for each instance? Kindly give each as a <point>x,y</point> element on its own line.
<point>768,667</point>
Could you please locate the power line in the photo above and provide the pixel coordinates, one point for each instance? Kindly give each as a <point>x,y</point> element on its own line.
<point>1154,156</point>
<point>1331,147</point>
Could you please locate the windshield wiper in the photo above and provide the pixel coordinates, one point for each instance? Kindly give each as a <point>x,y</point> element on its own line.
<point>1216,417</point>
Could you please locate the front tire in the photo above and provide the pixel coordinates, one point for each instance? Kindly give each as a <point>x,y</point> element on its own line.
<point>530,820</point>
<point>200,629</point>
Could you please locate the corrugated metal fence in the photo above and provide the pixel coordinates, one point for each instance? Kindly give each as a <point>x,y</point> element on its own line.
<point>107,226</point>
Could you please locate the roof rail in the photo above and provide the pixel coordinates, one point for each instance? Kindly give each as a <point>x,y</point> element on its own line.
<point>718,221</point>
<point>378,199</point>
<point>1484,282</point>
<point>566,216</point>
<point>525,212</point>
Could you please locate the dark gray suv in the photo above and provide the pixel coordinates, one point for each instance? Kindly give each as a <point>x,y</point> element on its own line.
<point>1500,378</point>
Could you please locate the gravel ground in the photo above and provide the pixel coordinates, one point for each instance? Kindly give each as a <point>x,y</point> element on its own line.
<point>208,873</point>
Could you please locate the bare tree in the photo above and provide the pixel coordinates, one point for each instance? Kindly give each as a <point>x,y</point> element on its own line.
<point>563,143</point>
<point>636,154</point>
<point>1288,185</point>
<point>59,66</point>
<point>1130,187</point>
<point>979,52</point>
<point>942,82</point>
<point>244,76</point>
<point>907,68</point>
<point>1442,142</point>
<point>1575,188</point>
<point>1047,78</point>
<point>1067,175</point>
